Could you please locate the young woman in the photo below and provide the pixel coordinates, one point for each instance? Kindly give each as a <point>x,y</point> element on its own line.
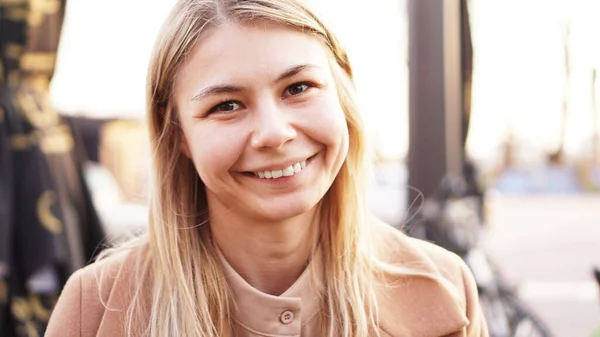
<point>258,224</point>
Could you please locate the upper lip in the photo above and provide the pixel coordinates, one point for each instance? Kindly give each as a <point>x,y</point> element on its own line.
<point>280,166</point>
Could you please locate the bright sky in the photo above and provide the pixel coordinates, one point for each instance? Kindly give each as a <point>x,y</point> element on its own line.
<point>518,80</point>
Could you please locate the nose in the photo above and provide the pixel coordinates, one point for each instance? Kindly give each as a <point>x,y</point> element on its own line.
<point>272,128</point>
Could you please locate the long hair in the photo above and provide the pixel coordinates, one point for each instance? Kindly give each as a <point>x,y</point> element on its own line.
<point>188,294</point>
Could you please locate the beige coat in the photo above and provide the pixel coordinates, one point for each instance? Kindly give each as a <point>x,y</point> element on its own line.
<point>410,306</point>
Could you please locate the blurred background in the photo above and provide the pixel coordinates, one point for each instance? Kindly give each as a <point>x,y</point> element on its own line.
<point>508,89</point>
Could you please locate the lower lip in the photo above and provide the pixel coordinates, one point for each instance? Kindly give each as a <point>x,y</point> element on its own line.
<point>282,180</point>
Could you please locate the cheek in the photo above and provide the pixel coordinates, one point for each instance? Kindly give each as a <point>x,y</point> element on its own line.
<point>214,150</point>
<point>328,123</point>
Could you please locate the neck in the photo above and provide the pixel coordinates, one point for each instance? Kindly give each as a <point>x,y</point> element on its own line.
<point>269,256</point>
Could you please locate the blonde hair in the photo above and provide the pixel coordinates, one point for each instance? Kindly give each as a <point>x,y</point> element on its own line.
<point>189,296</point>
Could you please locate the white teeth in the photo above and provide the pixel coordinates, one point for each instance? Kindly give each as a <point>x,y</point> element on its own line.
<point>287,172</point>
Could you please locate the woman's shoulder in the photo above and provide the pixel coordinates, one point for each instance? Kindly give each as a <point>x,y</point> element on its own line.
<point>92,294</point>
<point>115,268</point>
<point>399,249</point>
<point>424,282</point>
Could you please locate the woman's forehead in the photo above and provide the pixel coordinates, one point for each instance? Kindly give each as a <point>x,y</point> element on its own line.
<point>233,51</point>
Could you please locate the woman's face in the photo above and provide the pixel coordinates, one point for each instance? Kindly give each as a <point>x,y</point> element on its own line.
<point>261,119</point>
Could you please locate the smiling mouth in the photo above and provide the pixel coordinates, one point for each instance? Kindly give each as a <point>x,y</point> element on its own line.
<point>286,172</point>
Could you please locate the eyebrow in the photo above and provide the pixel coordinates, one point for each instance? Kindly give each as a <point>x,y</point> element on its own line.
<point>217,89</point>
<point>228,89</point>
<point>293,71</point>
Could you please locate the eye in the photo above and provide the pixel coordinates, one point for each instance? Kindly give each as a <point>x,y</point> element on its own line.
<point>297,88</point>
<point>226,107</point>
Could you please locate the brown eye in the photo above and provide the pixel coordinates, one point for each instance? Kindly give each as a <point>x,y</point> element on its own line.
<point>225,107</point>
<point>296,89</point>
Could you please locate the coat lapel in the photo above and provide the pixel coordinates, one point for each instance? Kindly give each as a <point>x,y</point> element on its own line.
<point>420,308</point>
<point>413,305</point>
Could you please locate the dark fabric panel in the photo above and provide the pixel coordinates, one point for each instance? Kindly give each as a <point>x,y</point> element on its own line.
<point>48,224</point>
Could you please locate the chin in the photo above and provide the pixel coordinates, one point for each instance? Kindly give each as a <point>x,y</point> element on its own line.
<point>282,210</point>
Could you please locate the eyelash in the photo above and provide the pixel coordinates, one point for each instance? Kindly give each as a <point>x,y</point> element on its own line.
<point>216,107</point>
<point>308,85</point>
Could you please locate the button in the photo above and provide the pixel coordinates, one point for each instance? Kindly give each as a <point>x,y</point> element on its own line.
<point>286,317</point>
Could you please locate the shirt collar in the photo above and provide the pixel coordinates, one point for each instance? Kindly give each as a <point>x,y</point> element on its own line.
<point>263,313</point>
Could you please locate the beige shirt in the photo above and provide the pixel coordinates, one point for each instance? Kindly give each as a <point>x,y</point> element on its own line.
<point>410,306</point>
